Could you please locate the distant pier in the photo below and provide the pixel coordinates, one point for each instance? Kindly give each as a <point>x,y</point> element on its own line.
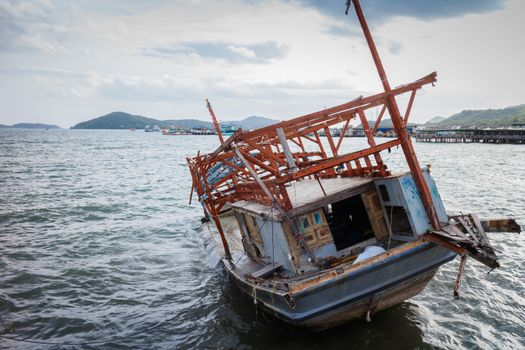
<point>512,136</point>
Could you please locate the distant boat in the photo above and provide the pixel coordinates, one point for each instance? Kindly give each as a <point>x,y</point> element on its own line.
<point>175,132</point>
<point>154,128</point>
<point>227,128</point>
<point>132,129</point>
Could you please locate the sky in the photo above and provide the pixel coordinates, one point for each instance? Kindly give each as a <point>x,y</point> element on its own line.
<point>67,61</point>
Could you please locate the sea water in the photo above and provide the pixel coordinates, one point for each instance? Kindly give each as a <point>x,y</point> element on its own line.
<point>98,241</point>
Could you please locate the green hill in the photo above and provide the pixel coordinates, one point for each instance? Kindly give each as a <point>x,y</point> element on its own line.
<point>254,122</point>
<point>34,126</point>
<point>435,120</point>
<point>472,118</point>
<point>30,126</point>
<point>486,118</point>
<point>117,120</point>
<point>122,120</point>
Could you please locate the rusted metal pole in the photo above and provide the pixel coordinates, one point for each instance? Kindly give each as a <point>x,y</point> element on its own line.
<point>409,107</point>
<point>215,123</point>
<point>192,179</point>
<point>217,221</point>
<point>191,193</point>
<point>457,285</point>
<point>399,124</point>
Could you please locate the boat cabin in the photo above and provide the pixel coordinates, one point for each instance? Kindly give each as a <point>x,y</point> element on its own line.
<point>337,219</point>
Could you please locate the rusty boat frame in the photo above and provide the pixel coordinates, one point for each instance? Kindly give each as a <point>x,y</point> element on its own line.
<point>248,179</point>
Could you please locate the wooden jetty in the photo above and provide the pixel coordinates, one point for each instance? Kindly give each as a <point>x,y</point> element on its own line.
<point>511,135</point>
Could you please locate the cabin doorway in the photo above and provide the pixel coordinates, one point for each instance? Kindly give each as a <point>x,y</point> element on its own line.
<point>349,222</point>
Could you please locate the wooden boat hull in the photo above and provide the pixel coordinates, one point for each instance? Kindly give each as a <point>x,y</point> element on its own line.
<point>351,295</point>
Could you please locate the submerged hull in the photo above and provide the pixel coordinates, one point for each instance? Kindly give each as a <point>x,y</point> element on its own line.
<point>373,286</point>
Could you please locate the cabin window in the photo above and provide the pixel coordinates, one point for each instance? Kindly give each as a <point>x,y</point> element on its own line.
<point>317,218</point>
<point>314,229</point>
<point>349,223</point>
<point>304,222</point>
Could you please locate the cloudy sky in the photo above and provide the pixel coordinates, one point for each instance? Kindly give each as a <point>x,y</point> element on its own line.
<point>67,61</point>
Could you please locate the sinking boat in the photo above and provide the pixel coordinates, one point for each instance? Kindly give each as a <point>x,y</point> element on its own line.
<point>322,235</point>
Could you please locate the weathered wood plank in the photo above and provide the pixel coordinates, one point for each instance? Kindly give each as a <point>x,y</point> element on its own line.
<point>500,225</point>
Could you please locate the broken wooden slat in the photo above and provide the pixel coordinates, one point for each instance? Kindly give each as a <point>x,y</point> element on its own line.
<point>467,225</point>
<point>500,225</point>
<point>465,234</point>
<point>484,239</point>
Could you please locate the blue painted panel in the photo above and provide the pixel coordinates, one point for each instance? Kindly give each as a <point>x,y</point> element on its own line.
<point>417,214</point>
<point>403,192</point>
<point>436,198</point>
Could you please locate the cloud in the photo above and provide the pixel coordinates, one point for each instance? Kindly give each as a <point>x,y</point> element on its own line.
<point>50,26</point>
<point>395,48</point>
<point>270,57</point>
<point>381,10</point>
<point>171,88</point>
<point>263,52</point>
<point>139,88</point>
<point>48,71</point>
<point>36,25</point>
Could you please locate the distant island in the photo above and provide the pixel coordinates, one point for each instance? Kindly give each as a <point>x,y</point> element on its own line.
<point>29,126</point>
<point>122,120</point>
<point>492,118</point>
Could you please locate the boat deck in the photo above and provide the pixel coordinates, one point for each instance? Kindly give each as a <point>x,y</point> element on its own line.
<point>308,194</point>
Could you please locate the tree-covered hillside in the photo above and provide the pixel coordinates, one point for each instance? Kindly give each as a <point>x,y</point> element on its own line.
<point>117,120</point>
<point>122,120</point>
<point>29,126</point>
<point>486,118</point>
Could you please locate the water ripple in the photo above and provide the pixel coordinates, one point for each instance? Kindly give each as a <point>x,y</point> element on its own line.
<point>97,241</point>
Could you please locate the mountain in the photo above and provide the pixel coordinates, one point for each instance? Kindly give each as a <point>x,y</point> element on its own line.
<point>122,120</point>
<point>254,122</point>
<point>435,120</point>
<point>117,120</point>
<point>486,118</point>
<point>472,118</point>
<point>30,126</point>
